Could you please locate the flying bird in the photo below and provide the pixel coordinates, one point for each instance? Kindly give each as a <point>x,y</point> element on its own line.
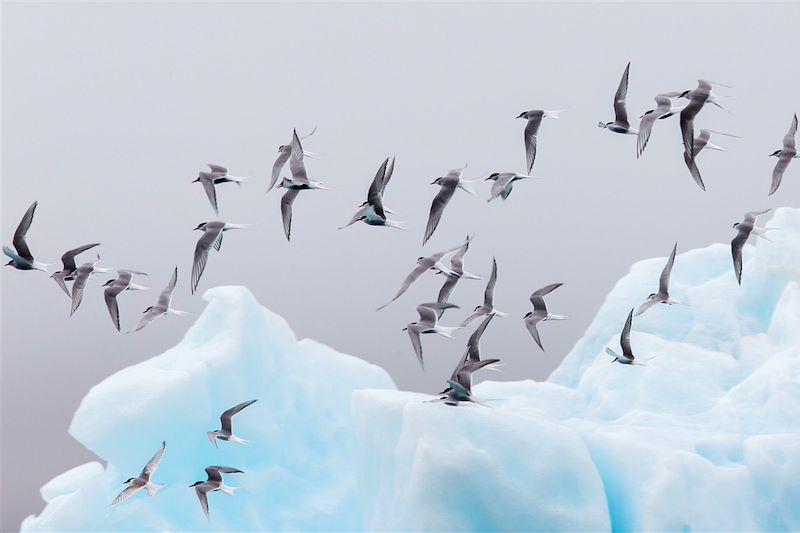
<point>503,183</point>
<point>214,483</point>
<point>212,236</point>
<point>81,277</point>
<point>163,306</point>
<point>226,433</point>
<point>432,262</point>
<point>298,182</point>
<point>784,155</point>
<point>697,99</point>
<point>540,313</point>
<point>534,118</point>
<point>428,323</point>
<point>620,123</point>
<point>217,175</point>
<point>488,300</point>
<point>70,268</point>
<point>142,481</point>
<point>662,296</point>
<point>284,151</point>
<point>627,357</point>
<point>701,142</point>
<point>448,185</point>
<point>123,282</point>
<point>457,268</point>
<point>744,229</point>
<point>372,211</point>
<point>23,259</point>
<point>664,109</point>
<point>471,361</point>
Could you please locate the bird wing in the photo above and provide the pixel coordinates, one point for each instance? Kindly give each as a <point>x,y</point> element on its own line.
<point>110,295</point>
<point>473,344</point>
<point>691,164</point>
<point>374,194</point>
<point>22,230</point>
<point>61,283</point>
<point>531,129</point>
<point>530,323</point>
<point>789,141</point>
<point>68,259</point>
<point>283,157</point>
<point>488,294</point>
<point>701,141</point>
<point>226,416</point>
<point>211,191</point>
<point>153,463</point>
<point>645,306</point>
<point>387,176</point>
<point>296,164</point>
<point>165,298</point>
<point>620,113</point>
<point>217,168</point>
<point>736,252</point>
<point>780,167</point>
<point>150,315</point>
<point>663,281</point>
<point>447,289</point>
<point>286,211</point>
<point>79,284</point>
<point>547,289</point>
<point>625,337</point>
<point>441,199</point>
<point>413,334</point>
<point>201,251</point>
<point>201,491</point>
<point>125,494</point>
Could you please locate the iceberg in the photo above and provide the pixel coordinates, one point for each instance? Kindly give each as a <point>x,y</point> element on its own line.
<point>706,437</point>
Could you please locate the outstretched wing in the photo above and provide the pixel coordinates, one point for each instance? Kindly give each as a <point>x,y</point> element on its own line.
<point>437,207</point>
<point>663,281</point>
<point>22,230</point>
<point>226,416</point>
<point>153,463</point>
<point>620,113</point>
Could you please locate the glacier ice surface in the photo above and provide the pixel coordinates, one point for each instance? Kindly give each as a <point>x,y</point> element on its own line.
<point>706,437</point>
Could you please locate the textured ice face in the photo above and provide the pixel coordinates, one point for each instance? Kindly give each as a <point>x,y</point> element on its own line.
<point>706,437</point>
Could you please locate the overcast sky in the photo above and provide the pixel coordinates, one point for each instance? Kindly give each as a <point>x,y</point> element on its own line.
<point>109,111</point>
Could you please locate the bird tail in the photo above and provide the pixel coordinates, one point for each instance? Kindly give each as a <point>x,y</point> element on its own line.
<point>395,224</point>
<point>172,311</point>
<point>466,186</point>
<point>238,440</point>
<point>556,317</point>
<point>502,314</point>
<point>135,287</point>
<point>447,331</point>
<point>312,155</point>
<point>712,146</point>
<point>553,114</point>
<point>228,225</point>
<point>612,353</point>
<point>41,266</point>
<point>467,275</point>
<point>153,488</point>
<point>228,489</point>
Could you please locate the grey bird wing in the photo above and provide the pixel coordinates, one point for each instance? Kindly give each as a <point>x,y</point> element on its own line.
<point>441,199</point>
<point>22,230</point>
<point>464,374</point>
<point>153,463</point>
<point>687,125</point>
<point>165,298</point>
<point>416,342</point>
<point>663,281</point>
<point>286,211</point>
<point>283,157</point>
<point>777,173</point>
<point>447,289</point>
<point>125,494</point>
<point>154,312</point>
<point>61,283</point>
<point>625,337</point>
<point>473,345</point>
<point>201,251</point>
<point>111,302</point>
<point>701,141</point>
<point>531,129</point>
<point>217,168</point>
<point>547,289</point>
<point>500,183</point>
<point>620,113</point>
<point>645,306</point>
<point>215,472</point>
<point>789,141</point>
<point>488,294</point>
<point>530,323</point>
<point>664,104</point>
<point>387,176</point>
<point>736,253</point>
<point>79,285</point>
<point>211,191</point>
<point>68,259</point>
<point>537,298</point>
<point>226,416</point>
<point>202,495</point>
<point>691,164</point>
<point>296,163</point>
<point>375,192</point>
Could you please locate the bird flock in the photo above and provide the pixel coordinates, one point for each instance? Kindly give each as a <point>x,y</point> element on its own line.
<point>374,212</point>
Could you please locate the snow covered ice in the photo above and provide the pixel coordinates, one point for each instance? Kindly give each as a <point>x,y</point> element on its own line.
<point>706,437</point>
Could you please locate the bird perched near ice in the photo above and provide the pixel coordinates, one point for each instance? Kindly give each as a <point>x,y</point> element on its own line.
<point>744,229</point>
<point>534,118</point>
<point>449,183</point>
<point>373,212</point>
<point>540,313</point>
<point>123,282</point>
<point>284,151</point>
<point>428,323</point>
<point>81,278</point>
<point>784,155</point>
<point>503,183</point>
<point>620,123</point>
<point>298,182</point>
<point>662,296</point>
<point>488,300</point>
<point>217,175</point>
<point>142,481</point>
<point>664,109</point>
<point>432,262</point>
<point>212,236</point>
<point>627,357</point>
<point>214,483</point>
<point>164,304</point>
<point>70,268</point>
<point>226,419</point>
<point>23,259</point>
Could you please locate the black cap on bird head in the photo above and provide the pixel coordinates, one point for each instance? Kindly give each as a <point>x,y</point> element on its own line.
<point>200,226</point>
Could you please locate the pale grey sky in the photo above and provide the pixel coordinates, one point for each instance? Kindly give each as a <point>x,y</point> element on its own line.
<point>109,111</point>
